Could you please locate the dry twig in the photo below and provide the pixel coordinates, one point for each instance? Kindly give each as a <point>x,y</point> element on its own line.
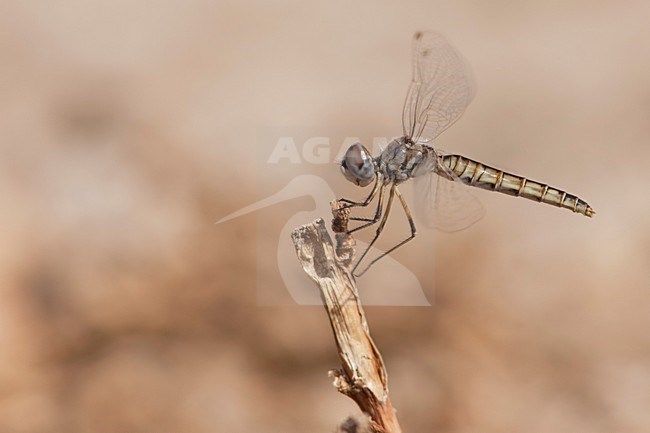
<point>362,376</point>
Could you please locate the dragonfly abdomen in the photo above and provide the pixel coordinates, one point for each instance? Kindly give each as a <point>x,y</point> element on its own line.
<point>479,175</point>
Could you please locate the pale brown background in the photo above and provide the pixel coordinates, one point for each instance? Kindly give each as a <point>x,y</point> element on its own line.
<point>125,125</point>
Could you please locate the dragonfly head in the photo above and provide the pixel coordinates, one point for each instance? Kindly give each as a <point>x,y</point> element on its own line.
<point>357,165</point>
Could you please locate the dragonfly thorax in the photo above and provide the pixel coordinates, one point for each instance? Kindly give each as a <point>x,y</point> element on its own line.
<point>403,159</point>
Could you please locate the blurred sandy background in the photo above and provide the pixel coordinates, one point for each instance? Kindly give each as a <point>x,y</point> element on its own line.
<point>124,127</point>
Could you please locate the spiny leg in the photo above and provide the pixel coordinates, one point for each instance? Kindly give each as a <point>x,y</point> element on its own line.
<point>411,224</point>
<point>350,203</point>
<point>371,221</point>
<point>391,195</point>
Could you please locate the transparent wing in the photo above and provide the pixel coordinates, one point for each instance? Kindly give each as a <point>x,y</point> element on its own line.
<point>445,204</point>
<point>441,89</point>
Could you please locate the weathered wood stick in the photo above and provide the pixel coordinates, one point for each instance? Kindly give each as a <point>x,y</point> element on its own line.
<point>362,376</point>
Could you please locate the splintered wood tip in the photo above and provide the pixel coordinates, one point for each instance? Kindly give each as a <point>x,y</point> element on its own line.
<point>341,217</point>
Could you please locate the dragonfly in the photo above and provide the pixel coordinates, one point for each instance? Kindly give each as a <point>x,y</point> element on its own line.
<point>440,90</point>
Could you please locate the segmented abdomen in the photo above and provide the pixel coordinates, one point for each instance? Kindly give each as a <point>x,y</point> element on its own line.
<point>476,174</point>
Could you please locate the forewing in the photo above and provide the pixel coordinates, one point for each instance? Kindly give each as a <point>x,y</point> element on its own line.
<point>445,204</point>
<point>440,91</point>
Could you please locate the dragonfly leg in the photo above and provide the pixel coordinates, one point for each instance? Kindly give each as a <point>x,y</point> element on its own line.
<point>371,221</point>
<point>350,203</point>
<point>413,232</point>
<point>391,195</point>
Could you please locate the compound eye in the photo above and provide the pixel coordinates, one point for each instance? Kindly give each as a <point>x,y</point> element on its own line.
<point>344,167</point>
<point>357,165</point>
